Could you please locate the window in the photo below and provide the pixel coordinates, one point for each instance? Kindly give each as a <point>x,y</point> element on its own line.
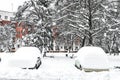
<point>11,18</point>
<point>6,17</point>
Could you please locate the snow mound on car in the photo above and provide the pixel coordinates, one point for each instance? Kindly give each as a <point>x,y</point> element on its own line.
<point>93,57</point>
<point>24,57</point>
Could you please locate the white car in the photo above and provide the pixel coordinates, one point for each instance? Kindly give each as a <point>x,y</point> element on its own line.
<point>26,57</point>
<point>92,59</point>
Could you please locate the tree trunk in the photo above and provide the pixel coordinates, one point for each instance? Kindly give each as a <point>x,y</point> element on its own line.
<point>83,42</point>
<point>90,40</point>
<point>90,24</point>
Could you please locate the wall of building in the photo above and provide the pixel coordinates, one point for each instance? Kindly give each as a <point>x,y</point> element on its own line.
<point>5,15</point>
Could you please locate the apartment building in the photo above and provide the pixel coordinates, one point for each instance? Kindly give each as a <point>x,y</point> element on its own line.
<point>7,16</point>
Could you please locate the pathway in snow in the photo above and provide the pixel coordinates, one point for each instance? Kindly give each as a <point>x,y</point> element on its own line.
<point>62,68</point>
<point>59,68</point>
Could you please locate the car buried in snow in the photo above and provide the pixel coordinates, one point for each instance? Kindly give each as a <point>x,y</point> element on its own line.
<point>26,58</point>
<point>92,59</point>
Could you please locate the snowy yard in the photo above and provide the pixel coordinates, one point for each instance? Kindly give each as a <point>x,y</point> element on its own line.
<point>59,68</point>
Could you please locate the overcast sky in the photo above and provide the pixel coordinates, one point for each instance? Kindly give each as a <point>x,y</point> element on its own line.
<point>10,5</point>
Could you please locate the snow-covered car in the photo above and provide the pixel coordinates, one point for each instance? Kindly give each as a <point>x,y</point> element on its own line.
<point>92,59</point>
<point>26,57</point>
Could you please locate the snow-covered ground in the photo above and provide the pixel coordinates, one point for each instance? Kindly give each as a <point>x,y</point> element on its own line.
<point>58,67</point>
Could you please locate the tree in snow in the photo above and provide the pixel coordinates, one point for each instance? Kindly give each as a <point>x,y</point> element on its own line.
<point>80,18</point>
<point>7,33</point>
<point>89,19</point>
<point>39,13</point>
<point>113,23</point>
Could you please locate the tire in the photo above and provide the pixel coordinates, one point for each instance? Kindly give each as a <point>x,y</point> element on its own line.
<point>76,66</point>
<point>80,67</point>
<point>38,65</point>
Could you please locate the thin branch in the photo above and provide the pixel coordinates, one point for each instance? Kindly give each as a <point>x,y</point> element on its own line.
<point>98,31</point>
<point>96,6</point>
<point>75,21</point>
<point>79,29</point>
<point>60,18</point>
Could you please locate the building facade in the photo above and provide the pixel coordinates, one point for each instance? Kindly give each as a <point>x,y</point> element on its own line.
<point>7,16</point>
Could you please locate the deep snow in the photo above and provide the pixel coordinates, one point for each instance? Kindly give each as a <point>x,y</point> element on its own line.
<point>58,67</point>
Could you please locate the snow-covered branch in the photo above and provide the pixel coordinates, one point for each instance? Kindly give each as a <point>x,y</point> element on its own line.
<point>96,6</point>
<point>75,16</point>
<point>76,11</point>
<point>66,33</point>
<point>68,6</point>
<point>78,29</point>
<point>75,21</point>
<point>60,18</point>
<point>113,25</point>
<point>94,34</point>
<point>83,27</point>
